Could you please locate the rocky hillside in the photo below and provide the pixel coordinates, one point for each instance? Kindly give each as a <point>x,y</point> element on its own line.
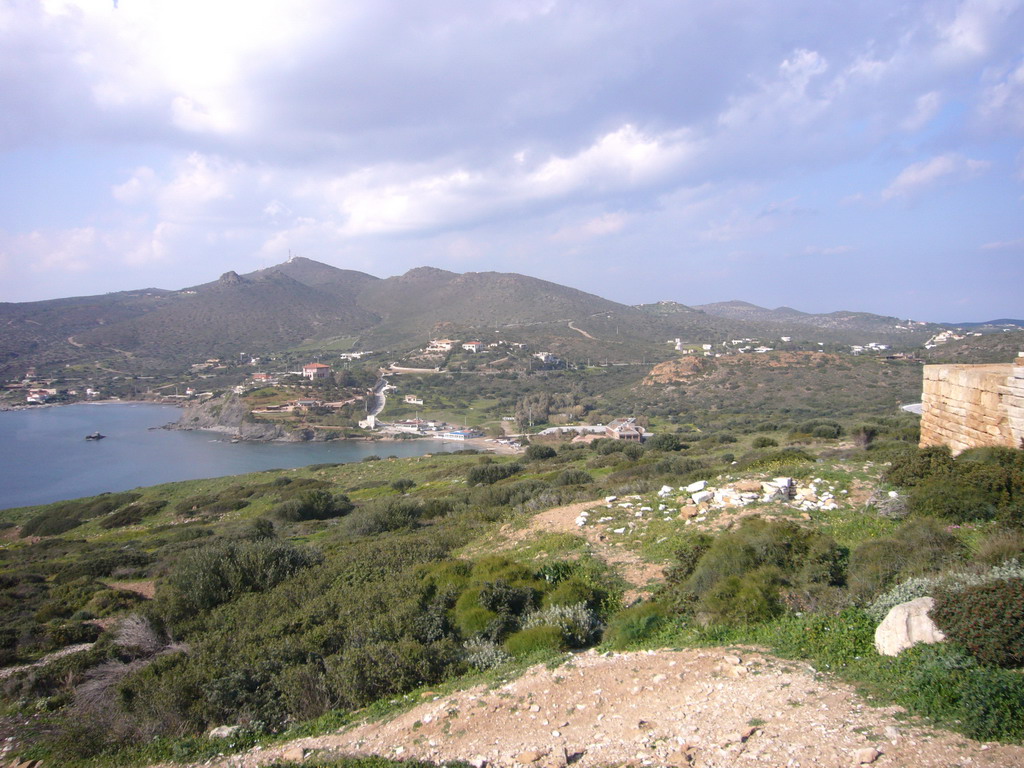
<point>230,415</point>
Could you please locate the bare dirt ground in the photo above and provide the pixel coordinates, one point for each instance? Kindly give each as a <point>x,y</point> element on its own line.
<point>709,708</point>
<point>65,651</point>
<point>146,589</point>
<point>631,567</point>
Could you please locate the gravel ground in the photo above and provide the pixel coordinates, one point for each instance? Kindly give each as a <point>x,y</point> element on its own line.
<point>707,707</point>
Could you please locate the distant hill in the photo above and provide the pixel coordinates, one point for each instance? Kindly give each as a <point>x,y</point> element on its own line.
<point>303,301</point>
<point>988,348</point>
<point>989,326</point>
<point>880,327</point>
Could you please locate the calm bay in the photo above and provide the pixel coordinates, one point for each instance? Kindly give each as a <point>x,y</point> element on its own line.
<point>44,456</point>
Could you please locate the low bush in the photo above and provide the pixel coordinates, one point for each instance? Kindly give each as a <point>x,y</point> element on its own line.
<point>578,624</point>
<point>764,442</point>
<point>916,548</point>
<point>391,515</point>
<point>740,576</point>
<point>954,581</point>
<point>535,639</point>
<point>573,477</point>
<point>50,524</point>
<point>988,620</point>
<point>314,505</point>
<point>219,572</point>
<point>632,626</point>
<point>133,514</point>
<point>540,452</point>
<point>492,473</point>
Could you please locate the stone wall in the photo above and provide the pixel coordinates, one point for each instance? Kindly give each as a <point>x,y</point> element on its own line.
<point>970,406</point>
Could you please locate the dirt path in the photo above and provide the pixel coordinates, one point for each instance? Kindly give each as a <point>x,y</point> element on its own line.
<point>572,325</point>
<point>709,708</point>
<point>66,651</point>
<point>635,570</point>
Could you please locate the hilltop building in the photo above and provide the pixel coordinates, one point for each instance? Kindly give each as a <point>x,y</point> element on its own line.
<point>315,371</point>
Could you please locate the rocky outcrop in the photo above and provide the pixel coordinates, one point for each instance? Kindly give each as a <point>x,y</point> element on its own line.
<point>230,415</point>
<point>683,369</point>
<point>906,625</point>
<point>971,406</point>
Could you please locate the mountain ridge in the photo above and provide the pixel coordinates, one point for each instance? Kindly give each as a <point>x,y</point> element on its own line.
<point>302,300</point>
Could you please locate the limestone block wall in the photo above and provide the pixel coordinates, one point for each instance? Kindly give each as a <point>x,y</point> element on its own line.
<point>970,406</point>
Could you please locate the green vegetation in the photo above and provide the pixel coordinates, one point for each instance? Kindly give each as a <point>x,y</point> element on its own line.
<point>297,597</point>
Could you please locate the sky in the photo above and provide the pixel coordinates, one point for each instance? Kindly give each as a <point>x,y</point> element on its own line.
<point>816,154</point>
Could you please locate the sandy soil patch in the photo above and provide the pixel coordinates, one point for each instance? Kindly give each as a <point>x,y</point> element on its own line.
<point>710,708</point>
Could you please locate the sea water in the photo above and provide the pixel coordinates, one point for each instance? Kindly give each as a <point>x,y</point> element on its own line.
<point>45,457</point>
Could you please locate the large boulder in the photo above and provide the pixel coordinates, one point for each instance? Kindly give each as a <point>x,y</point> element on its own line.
<point>907,624</point>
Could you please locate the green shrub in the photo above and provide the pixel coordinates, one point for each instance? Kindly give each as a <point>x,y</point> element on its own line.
<point>50,524</point>
<point>219,572</point>
<point>391,515</point>
<point>61,634</point>
<point>473,619</point>
<point>573,477</point>
<point>950,497</point>
<point>764,442</point>
<point>403,485</point>
<point>575,590</point>
<point>492,473</point>
<point>314,505</point>
<point>988,620</point>
<point>577,623</point>
<point>777,460</point>
<point>942,683</point>
<point>133,514</point>
<point>635,624</point>
<point>67,597</point>
<point>747,599</point>
<point>1001,545</point>
<point>911,468</point>
<point>802,555</point>
<point>955,581</point>
<point>540,452</point>
<point>540,638</point>
<point>916,548</point>
<point>663,441</point>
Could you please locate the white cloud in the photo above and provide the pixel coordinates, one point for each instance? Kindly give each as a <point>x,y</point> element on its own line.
<point>835,250</point>
<point>140,186</point>
<point>785,98</point>
<point>1002,103</point>
<point>393,199</point>
<point>970,33</point>
<point>1005,245</point>
<point>927,173</point>
<point>926,106</point>
<point>598,226</point>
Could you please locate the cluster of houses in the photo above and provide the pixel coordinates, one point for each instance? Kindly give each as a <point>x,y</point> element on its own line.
<point>436,429</point>
<point>624,428</point>
<point>733,346</point>
<point>438,346</point>
<point>874,346</point>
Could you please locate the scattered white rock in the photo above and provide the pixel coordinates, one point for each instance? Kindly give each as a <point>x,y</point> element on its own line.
<point>224,731</point>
